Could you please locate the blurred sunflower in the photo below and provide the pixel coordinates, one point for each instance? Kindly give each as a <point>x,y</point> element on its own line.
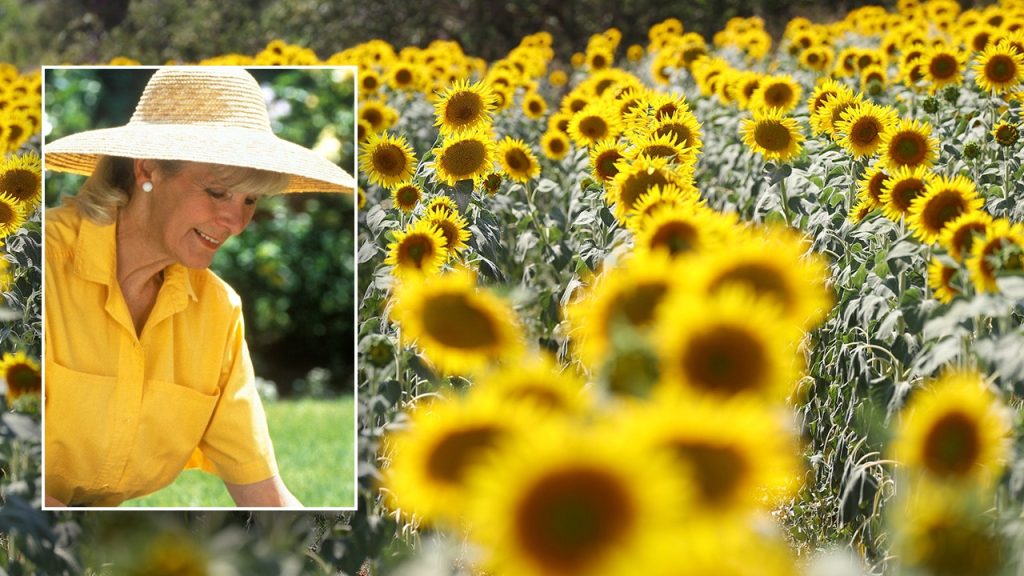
<point>682,125</point>
<point>388,160</point>
<point>464,156</point>
<point>624,299</point>
<point>12,214</point>
<point>944,199</point>
<point>862,126</point>
<point>464,107</point>
<point>955,431</point>
<point>635,177</point>
<point>406,196</point>
<point>999,68</point>
<point>779,92</point>
<point>902,187</point>
<point>539,382</point>
<point>517,160</point>
<point>942,279</point>
<point>533,105</point>
<point>739,454</point>
<point>568,502</point>
<point>377,114</point>
<point>908,143</point>
<point>658,197</point>
<point>369,81</point>
<point>593,123</point>
<point>427,461</point>
<point>460,328</point>
<point>684,228</point>
<point>823,91</point>
<point>772,134</point>
<point>403,76</point>
<point>1001,249</point>
<point>453,226</point>
<point>827,116</point>
<point>959,234</point>
<point>604,158</point>
<point>21,178</point>
<point>729,344</point>
<point>21,374</point>
<point>871,185</point>
<point>419,249</point>
<point>663,146</point>
<point>555,145</point>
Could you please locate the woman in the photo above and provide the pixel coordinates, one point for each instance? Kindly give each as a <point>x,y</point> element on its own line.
<point>147,370</point>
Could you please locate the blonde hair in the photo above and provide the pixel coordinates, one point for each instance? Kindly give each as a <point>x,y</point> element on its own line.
<point>112,181</point>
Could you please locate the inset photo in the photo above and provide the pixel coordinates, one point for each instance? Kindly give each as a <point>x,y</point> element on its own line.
<point>199,287</point>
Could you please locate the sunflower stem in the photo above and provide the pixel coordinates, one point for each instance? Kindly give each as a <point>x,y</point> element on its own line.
<point>785,202</point>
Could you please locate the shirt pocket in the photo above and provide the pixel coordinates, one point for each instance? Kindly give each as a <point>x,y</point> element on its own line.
<point>171,423</point>
<point>77,424</point>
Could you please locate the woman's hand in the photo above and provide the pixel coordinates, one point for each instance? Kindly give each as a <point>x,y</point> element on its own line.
<point>269,493</point>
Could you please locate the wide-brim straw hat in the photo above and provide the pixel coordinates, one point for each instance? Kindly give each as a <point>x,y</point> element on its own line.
<point>201,114</point>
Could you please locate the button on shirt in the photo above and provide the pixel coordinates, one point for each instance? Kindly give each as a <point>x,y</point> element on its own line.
<point>125,413</point>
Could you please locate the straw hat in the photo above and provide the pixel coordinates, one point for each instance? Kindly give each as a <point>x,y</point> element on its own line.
<point>201,114</point>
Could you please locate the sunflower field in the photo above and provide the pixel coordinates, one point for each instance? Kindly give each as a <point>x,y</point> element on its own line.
<point>746,305</point>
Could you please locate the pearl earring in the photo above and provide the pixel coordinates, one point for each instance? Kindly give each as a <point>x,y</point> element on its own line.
<point>147,186</point>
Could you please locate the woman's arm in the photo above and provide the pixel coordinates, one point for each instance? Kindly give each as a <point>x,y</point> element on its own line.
<point>269,493</point>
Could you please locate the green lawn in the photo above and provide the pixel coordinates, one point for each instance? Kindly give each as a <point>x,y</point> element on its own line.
<point>315,443</point>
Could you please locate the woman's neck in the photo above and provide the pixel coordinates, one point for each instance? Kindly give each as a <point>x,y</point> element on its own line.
<point>140,263</point>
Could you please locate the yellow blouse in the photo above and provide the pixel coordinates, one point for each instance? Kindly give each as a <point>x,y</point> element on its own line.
<point>124,414</point>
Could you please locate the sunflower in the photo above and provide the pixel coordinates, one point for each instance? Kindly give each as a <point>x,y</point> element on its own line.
<point>459,327</point>
<point>779,92</point>
<point>595,122</point>
<point>443,203</point>
<point>464,107</point>
<point>378,115</point>
<point>862,127</point>
<point>772,134</point>
<point>604,158</point>
<point>901,188</point>
<point>955,431</point>
<point>419,249</point>
<point>999,68</point>
<point>12,214</point>
<point>427,461</point>
<point>454,228</point>
<point>635,177</point>
<point>20,178</point>
<point>871,185</point>
<point>464,156</point>
<point>663,146</point>
<point>959,234</point>
<point>533,105</point>
<point>1001,249</point>
<point>369,81</point>
<point>623,299</point>
<point>555,145</point>
<point>908,143</point>
<point>746,85</point>
<point>566,501</point>
<point>684,228</point>
<point>517,160</point>
<point>540,383</point>
<point>658,197</point>
<point>1005,133</point>
<point>827,116</point>
<point>873,80</point>
<point>406,196</point>
<point>403,76</point>
<point>683,126</point>
<point>388,160</point>
<point>15,130</point>
<point>827,88</point>
<point>943,66</point>
<point>726,345</point>
<point>21,374</point>
<point>739,454</point>
<point>775,265</point>
<point>944,199</point>
<point>942,279</point>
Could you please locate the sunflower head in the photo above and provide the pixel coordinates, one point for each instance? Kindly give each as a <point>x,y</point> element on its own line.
<point>636,177</point>
<point>442,203</point>
<point>901,188</point>
<point>959,234</point>
<point>862,127</point>
<point>943,66</point>
<point>419,249</point>
<point>454,228</point>
<point>1005,133</point>
<point>773,134</point>
<point>517,160</point>
<point>464,156</point>
<point>463,107</point>
<point>594,122</point>
<point>388,160</point>
<point>778,92</point>
<point>943,279</point>
<point>12,214</point>
<point>406,196</point>
<point>604,158</point>
<point>682,126</point>
<point>944,200</point>
<point>21,178</point>
<point>682,228</point>
<point>1001,250</point>
<point>378,115</point>
<point>21,374</point>
<point>908,143</point>
<point>999,68</point>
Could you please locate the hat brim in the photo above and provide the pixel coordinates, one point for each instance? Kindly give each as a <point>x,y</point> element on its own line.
<point>232,146</point>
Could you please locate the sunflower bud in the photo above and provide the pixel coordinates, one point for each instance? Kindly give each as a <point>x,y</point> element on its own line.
<point>972,151</point>
<point>930,105</point>
<point>951,94</point>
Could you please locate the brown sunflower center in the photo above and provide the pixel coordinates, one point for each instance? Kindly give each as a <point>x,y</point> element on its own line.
<point>680,132</point>
<point>717,470</point>
<point>1000,69</point>
<point>450,230</point>
<point>416,250</point>
<point>539,395</point>
<point>373,116</point>
<point>389,160</point>
<point>569,519</point>
<point>593,127</point>
<point>604,164</point>
<point>536,107</point>
<point>876,184</point>
<point>865,131</point>
<point>457,321</point>
<point>517,160</point>
<point>660,151</point>
<point>604,84</point>
<point>463,159</point>
<point>908,148</point>
<point>778,95</point>
<point>459,450</point>
<point>943,67</point>
<point>403,77</point>
<point>963,237</point>
<point>952,445</point>
<point>636,184</point>
<point>772,135</point>
<point>464,108</point>
<point>22,378</point>
<point>942,208</point>
<point>598,61</point>
<point>556,146</point>
<point>407,196</point>
<point>14,133</point>
<point>725,360</point>
<point>20,184</point>
<point>370,83</point>
<point>637,306</point>
<point>676,236</point>
<point>904,192</point>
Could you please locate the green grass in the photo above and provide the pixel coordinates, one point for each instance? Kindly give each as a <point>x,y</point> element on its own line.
<point>314,441</point>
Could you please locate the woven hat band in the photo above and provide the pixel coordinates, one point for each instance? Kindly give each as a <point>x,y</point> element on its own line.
<point>218,97</point>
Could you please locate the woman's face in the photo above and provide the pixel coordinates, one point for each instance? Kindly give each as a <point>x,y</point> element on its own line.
<point>194,213</point>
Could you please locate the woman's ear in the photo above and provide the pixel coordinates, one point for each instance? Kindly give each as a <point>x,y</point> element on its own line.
<point>143,170</point>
